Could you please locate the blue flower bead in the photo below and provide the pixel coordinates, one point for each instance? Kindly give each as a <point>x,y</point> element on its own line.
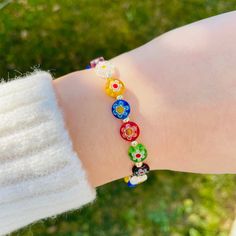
<point>131,185</point>
<point>120,109</point>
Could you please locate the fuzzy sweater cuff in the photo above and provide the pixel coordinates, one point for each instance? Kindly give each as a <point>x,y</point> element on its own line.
<point>40,174</point>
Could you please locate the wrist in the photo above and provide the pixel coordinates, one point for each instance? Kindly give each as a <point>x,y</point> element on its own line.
<point>91,127</point>
<point>93,130</point>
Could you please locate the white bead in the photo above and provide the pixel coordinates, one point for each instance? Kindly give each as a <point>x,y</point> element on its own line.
<point>105,69</point>
<point>134,143</point>
<point>139,164</point>
<point>126,120</point>
<point>119,97</point>
<point>138,179</point>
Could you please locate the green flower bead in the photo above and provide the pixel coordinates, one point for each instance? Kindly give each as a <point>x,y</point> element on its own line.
<point>137,153</point>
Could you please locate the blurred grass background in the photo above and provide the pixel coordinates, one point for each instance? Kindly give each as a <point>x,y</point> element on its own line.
<point>62,36</point>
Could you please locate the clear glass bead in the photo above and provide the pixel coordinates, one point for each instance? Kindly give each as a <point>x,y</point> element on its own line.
<point>139,164</point>
<point>126,119</point>
<point>134,143</point>
<point>119,97</point>
<point>105,69</point>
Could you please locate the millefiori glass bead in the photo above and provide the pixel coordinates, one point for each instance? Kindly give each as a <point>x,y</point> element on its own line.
<point>114,87</point>
<point>120,109</point>
<point>134,180</point>
<point>142,170</point>
<point>105,69</point>
<point>129,131</point>
<point>137,153</point>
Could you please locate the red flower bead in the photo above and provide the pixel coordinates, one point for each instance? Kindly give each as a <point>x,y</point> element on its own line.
<point>129,131</point>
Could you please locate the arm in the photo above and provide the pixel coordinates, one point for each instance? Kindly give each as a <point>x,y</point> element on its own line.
<point>182,91</point>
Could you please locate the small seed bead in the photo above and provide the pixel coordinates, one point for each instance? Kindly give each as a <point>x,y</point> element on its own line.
<point>119,97</point>
<point>126,119</point>
<point>139,164</point>
<point>134,143</point>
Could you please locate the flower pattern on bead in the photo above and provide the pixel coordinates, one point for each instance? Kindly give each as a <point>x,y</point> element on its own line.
<point>105,69</point>
<point>137,153</point>
<point>129,131</point>
<point>134,180</point>
<point>142,170</point>
<point>120,109</point>
<point>114,87</point>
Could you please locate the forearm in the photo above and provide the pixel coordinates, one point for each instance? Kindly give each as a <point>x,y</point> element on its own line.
<point>192,69</point>
<point>181,87</point>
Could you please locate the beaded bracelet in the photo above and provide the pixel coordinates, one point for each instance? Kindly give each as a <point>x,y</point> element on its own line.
<point>129,130</point>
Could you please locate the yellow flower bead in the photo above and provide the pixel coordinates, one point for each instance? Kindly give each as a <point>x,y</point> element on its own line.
<point>126,179</point>
<point>114,87</point>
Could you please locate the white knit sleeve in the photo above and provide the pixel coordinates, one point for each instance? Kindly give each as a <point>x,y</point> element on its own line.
<point>40,174</point>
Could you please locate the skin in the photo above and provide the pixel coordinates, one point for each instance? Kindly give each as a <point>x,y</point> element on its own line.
<point>182,90</point>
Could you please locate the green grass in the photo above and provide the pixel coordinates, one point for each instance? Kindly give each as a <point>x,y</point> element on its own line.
<point>62,36</point>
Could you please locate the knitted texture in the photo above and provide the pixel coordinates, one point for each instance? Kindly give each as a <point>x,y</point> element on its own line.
<point>40,174</point>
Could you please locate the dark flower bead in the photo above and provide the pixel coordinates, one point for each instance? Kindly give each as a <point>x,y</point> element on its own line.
<point>138,171</point>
